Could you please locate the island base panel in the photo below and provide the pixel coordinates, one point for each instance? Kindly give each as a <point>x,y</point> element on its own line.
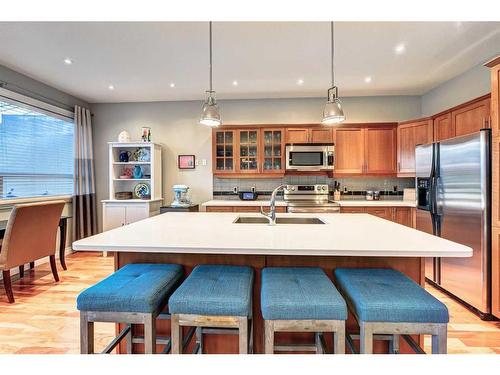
<point>411,266</point>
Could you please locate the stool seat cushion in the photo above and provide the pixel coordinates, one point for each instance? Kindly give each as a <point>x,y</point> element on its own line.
<point>215,290</point>
<point>142,288</point>
<point>386,295</point>
<point>300,293</point>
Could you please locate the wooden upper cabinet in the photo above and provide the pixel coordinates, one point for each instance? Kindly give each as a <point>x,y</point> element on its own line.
<point>380,150</point>
<point>248,151</point>
<point>321,135</point>
<point>471,118</point>
<point>273,150</point>
<point>443,127</point>
<point>411,134</point>
<point>297,135</point>
<point>223,149</point>
<point>370,150</point>
<point>349,151</point>
<point>309,135</point>
<point>494,66</point>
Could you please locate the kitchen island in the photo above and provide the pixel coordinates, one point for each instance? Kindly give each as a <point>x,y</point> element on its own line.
<point>338,240</point>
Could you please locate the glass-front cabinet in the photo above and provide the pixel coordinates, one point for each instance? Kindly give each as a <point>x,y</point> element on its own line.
<point>224,151</point>
<point>273,150</point>
<point>248,151</point>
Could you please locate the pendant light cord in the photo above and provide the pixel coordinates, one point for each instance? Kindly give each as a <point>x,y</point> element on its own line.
<point>333,53</point>
<point>210,48</point>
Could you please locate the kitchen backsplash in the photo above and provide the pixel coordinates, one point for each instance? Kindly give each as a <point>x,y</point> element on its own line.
<point>222,185</point>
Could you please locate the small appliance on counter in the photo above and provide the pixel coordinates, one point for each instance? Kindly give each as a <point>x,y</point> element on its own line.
<point>372,195</point>
<point>181,198</point>
<point>248,195</point>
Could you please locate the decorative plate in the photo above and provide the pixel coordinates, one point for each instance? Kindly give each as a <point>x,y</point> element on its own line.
<point>141,189</point>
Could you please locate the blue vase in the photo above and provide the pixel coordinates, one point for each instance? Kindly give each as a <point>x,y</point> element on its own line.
<point>137,172</point>
<point>124,156</point>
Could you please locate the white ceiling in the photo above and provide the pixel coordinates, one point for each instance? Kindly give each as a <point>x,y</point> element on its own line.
<point>266,58</point>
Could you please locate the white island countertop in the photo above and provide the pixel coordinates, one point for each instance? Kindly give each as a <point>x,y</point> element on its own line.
<point>216,233</point>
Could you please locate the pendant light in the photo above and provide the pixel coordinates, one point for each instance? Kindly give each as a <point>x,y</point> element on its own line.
<point>210,114</point>
<point>333,112</point>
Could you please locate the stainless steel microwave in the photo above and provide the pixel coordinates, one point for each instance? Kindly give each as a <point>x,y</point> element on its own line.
<point>309,157</point>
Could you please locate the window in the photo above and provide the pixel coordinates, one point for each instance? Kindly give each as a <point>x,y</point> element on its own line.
<point>36,152</point>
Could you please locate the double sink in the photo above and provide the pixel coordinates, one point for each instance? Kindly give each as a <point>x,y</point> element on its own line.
<point>279,220</point>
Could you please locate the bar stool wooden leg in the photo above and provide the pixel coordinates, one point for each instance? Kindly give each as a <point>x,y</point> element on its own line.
<point>199,338</point>
<point>149,334</point>
<point>339,340</point>
<point>243,335</point>
<point>366,339</point>
<point>439,340</point>
<point>128,340</point>
<point>32,265</point>
<point>394,344</point>
<point>268,337</point>
<point>86,334</point>
<point>21,271</point>
<point>176,334</point>
<point>317,341</point>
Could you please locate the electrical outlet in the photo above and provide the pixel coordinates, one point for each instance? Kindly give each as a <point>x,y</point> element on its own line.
<point>235,189</point>
<point>197,162</point>
<point>203,161</point>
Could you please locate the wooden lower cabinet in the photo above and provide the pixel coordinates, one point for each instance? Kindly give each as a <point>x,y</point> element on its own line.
<point>404,216</point>
<point>400,215</point>
<point>382,212</point>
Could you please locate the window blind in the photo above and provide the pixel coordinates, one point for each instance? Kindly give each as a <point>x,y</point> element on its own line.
<point>36,153</point>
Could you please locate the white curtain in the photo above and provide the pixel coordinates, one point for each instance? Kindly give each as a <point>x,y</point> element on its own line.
<point>84,200</point>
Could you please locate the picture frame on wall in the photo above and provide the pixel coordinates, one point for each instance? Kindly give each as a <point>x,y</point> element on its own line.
<point>186,161</point>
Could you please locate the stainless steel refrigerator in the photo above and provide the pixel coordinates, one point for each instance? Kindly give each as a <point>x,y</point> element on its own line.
<point>453,180</point>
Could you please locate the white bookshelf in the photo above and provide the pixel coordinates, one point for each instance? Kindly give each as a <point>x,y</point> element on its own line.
<point>151,167</point>
<point>119,212</point>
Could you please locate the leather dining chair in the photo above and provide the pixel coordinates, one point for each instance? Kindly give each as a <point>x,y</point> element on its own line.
<point>31,234</point>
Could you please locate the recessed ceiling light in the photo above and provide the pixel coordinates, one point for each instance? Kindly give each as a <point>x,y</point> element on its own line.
<point>172,85</point>
<point>111,87</point>
<point>400,48</point>
<point>235,83</point>
<point>68,61</point>
<point>368,79</point>
<point>300,82</point>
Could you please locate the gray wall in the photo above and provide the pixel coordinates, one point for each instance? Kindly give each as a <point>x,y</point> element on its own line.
<point>175,126</point>
<point>469,85</point>
<point>38,90</point>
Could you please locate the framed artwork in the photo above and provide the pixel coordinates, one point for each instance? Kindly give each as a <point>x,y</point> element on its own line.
<point>186,161</point>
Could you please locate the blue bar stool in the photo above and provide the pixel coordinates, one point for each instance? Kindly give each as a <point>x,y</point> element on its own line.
<point>135,294</point>
<point>214,296</point>
<point>301,299</point>
<point>384,301</point>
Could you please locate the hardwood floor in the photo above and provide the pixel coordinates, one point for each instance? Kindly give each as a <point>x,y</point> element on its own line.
<point>44,318</point>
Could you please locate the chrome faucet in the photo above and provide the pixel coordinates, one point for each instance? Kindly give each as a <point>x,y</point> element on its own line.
<point>271,216</point>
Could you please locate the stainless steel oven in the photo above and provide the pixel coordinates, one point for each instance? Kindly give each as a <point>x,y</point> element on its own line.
<point>309,157</point>
<point>309,199</point>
